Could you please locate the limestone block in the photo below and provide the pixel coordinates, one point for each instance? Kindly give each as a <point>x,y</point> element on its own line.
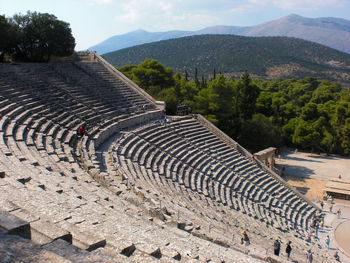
<point>43,232</point>
<point>141,257</point>
<point>3,183</point>
<point>11,224</point>
<point>25,215</point>
<point>5,205</point>
<point>171,253</point>
<point>128,251</point>
<point>63,248</point>
<point>150,249</point>
<point>120,244</point>
<point>82,238</point>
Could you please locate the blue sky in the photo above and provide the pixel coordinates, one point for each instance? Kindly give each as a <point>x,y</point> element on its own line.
<point>92,21</point>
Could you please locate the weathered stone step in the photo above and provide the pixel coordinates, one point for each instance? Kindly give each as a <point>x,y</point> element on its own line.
<point>43,232</point>
<point>83,239</point>
<point>13,225</point>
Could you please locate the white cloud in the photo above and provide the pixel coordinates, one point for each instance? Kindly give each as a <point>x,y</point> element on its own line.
<point>163,14</point>
<point>244,8</point>
<point>190,21</point>
<point>101,1</point>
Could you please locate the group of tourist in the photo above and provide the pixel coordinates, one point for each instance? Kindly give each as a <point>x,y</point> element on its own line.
<point>277,247</point>
<point>277,244</point>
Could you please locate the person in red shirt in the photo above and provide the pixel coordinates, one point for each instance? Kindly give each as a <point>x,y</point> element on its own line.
<point>81,131</point>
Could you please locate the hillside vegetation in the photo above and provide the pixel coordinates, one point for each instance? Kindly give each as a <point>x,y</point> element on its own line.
<point>307,113</point>
<point>267,57</point>
<point>329,31</point>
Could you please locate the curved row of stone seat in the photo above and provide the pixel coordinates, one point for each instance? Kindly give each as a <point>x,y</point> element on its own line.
<point>112,96</point>
<point>150,176</point>
<point>38,128</point>
<point>30,121</point>
<point>93,216</point>
<point>209,211</point>
<point>170,139</point>
<point>245,163</point>
<point>34,80</point>
<point>187,182</point>
<point>64,197</point>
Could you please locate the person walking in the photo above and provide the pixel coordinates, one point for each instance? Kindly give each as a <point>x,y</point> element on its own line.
<point>316,229</point>
<point>288,249</point>
<point>309,256</point>
<point>277,247</point>
<point>338,213</point>
<point>322,204</point>
<point>336,256</point>
<point>328,242</point>
<point>245,238</point>
<point>309,236</point>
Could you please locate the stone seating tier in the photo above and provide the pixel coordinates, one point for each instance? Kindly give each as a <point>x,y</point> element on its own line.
<point>149,148</point>
<point>43,160</point>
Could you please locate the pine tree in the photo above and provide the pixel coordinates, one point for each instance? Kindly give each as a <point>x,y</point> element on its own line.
<point>196,81</point>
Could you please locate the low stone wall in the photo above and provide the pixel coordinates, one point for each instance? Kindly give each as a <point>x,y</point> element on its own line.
<point>133,121</point>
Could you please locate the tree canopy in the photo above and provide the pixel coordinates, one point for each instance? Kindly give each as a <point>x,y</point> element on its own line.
<point>306,113</point>
<point>151,75</point>
<point>35,37</point>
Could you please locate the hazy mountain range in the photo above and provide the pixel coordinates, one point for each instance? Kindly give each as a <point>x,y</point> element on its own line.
<point>266,57</point>
<point>329,31</point>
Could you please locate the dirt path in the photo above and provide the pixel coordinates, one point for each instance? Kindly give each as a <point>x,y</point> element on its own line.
<point>309,173</point>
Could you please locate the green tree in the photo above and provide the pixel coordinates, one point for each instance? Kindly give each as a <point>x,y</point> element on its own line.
<point>259,133</point>
<point>185,90</point>
<point>246,96</point>
<point>169,96</point>
<point>42,36</point>
<point>196,80</point>
<point>306,135</point>
<point>309,112</point>
<point>127,70</point>
<point>305,113</point>
<point>345,137</point>
<point>325,92</point>
<point>151,76</point>
<point>8,36</point>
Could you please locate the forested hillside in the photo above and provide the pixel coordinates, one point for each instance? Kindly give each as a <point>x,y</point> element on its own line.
<point>329,31</point>
<point>266,57</point>
<point>307,113</point>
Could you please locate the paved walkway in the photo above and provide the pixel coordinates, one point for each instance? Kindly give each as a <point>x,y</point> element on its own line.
<point>338,230</point>
<point>309,173</point>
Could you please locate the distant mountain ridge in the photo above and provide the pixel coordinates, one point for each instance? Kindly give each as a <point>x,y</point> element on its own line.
<point>329,31</point>
<point>266,57</point>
